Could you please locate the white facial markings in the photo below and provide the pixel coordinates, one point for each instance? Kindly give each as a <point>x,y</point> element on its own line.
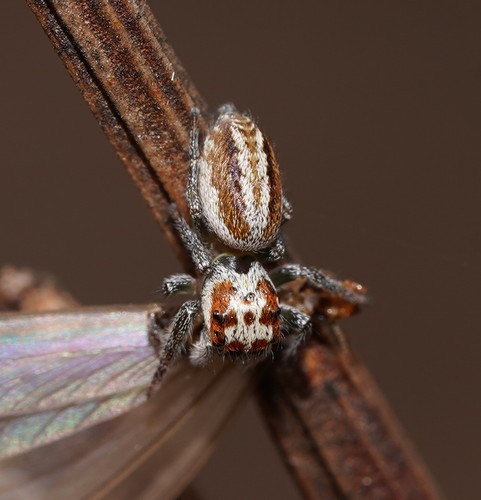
<point>247,303</point>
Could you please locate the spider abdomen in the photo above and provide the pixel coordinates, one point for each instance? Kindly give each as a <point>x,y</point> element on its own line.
<point>239,184</point>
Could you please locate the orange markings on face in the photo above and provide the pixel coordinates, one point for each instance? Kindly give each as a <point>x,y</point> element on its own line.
<point>249,318</point>
<point>259,345</point>
<point>235,346</point>
<point>221,297</point>
<point>217,337</point>
<point>230,320</point>
<point>270,312</point>
<point>266,288</point>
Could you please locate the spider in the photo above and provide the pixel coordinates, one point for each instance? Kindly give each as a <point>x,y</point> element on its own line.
<point>235,198</point>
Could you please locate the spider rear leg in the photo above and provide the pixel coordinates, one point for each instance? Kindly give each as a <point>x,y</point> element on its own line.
<point>276,251</point>
<point>192,193</point>
<point>179,331</point>
<point>318,279</point>
<point>286,210</point>
<point>198,252</point>
<point>227,108</point>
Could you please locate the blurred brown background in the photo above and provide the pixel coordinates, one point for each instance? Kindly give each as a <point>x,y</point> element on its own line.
<point>377,128</point>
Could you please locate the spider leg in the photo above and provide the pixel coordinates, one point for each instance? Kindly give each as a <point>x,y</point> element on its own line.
<point>317,278</point>
<point>201,351</point>
<point>179,331</point>
<point>294,322</point>
<point>227,108</point>
<point>192,194</point>
<point>179,283</point>
<point>275,251</point>
<point>286,210</point>
<point>198,252</point>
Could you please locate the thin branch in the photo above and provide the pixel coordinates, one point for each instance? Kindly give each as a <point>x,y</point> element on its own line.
<point>338,436</point>
<point>120,60</point>
<point>342,439</point>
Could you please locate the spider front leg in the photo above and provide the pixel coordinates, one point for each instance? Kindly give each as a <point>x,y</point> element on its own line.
<point>294,322</point>
<point>318,279</point>
<point>179,331</point>
<point>179,283</point>
<point>201,351</point>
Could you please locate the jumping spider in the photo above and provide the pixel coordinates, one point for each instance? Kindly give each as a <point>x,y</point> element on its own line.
<point>235,196</point>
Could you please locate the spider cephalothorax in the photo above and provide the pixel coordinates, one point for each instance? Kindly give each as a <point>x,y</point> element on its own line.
<point>234,193</point>
<point>240,306</point>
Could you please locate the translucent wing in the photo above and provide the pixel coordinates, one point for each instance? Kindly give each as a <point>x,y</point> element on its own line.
<point>67,371</point>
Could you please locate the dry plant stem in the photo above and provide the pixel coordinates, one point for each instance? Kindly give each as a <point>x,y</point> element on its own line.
<point>337,431</point>
<point>337,434</point>
<point>118,57</point>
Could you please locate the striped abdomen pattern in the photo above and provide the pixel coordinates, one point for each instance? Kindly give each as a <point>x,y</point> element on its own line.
<point>239,184</point>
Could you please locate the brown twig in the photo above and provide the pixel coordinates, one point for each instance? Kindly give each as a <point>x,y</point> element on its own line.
<point>335,427</point>
<point>120,60</point>
<point>336,431</point>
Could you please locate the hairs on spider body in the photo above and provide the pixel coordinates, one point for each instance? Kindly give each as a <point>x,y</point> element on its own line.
<point>235,195</point>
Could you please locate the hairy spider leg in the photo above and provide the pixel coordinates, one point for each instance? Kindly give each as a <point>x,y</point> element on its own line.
<point>294,322</point>
<point>198,252</point>
<point>179,331</point>
<point>192,192</point>
<point>179,283</point>
<point>286,210</point>
<point>318,279</point>
<point>275,251</point>
<point>201,351</point>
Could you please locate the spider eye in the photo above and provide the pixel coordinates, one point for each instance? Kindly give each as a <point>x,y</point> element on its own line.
<point>217,316</point>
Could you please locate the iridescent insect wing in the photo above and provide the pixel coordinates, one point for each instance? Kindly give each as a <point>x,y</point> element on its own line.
<point>65,371</point>
<point>69,386</point>
<point>152,452</point>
